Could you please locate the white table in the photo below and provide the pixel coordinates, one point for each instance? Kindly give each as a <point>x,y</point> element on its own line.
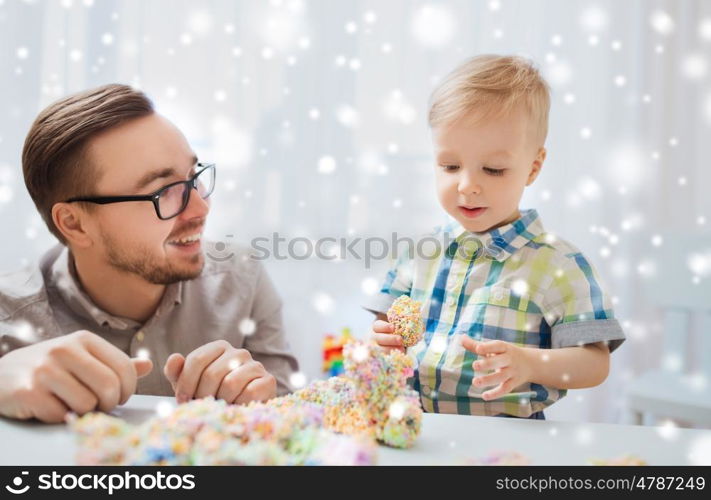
<point>445,439</point>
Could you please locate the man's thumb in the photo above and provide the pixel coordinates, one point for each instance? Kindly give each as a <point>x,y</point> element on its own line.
<point>174,367</point>
<point>143,366</point>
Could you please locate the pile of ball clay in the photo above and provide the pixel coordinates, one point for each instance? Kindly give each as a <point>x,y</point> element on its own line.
<point>502,458</point>
<point>372,399</point>
<point>329,422</point>
<point>516,458</point>
<point>632,460</point>
<point>211,432</point>
<point>405,316</point>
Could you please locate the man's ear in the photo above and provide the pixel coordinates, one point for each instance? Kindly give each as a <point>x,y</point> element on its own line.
<point>71,222</point>
<point>536,166</point>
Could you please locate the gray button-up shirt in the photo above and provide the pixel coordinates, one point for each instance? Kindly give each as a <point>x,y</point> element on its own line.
<point>233,300</point>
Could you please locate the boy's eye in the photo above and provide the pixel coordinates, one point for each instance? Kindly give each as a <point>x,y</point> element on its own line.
<point>450,168</point>
<point>494,171</point>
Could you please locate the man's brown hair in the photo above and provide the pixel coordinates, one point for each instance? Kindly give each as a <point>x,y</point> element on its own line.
<point>54,163</point>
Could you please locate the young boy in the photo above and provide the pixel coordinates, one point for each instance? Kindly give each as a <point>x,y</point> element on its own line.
<point>514,315</point>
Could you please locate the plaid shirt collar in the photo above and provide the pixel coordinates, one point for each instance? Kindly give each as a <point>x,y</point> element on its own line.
<point>502,242</point>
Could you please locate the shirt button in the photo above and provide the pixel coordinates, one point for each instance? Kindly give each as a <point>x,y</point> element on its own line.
<point>140,336</point>
<point>451,302</point>
<point>499,295</point>
<point>426,390</point>
<point>493,248</point>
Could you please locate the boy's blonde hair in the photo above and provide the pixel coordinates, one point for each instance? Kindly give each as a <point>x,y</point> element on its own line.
<point>492,85</point>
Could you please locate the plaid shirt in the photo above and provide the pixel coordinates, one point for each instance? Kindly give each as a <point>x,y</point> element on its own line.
<point>516,283</point>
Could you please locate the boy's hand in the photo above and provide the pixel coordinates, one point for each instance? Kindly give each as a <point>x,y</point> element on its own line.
<point>383,335</point>
<point>220,370</point>
<point>509,361</point>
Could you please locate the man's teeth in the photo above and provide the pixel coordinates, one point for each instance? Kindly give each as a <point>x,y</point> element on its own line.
<point>188,239</point>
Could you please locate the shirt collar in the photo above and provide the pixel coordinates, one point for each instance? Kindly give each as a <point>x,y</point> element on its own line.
<point>65,279</point>
<point>502,242</point>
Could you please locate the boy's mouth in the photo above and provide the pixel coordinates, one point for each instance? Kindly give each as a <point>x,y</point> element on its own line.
<point>471,212</point>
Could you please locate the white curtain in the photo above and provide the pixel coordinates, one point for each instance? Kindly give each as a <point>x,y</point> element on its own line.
<point>315,113</point>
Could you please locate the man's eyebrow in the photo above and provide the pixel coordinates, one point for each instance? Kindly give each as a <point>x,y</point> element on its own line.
<point>154,175</point>
<point>164,173</point>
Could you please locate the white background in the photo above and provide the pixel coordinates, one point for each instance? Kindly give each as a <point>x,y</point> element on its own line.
<point>315,113</point>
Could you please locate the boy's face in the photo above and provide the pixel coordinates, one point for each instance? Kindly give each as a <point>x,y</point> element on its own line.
<point>483,166</point>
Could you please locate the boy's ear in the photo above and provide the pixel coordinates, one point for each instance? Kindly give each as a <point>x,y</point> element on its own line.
<point>69,220</point>
<point>536,165</point>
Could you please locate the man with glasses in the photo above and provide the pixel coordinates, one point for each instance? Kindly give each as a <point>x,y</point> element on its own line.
<point>129,286</point>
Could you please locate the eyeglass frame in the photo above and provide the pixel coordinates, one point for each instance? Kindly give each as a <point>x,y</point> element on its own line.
<point>155,196</point>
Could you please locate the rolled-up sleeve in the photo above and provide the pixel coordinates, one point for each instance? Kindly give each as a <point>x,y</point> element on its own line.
<point>577,307</point>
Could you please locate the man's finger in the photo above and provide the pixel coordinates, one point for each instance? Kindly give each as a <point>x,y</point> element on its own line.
<point>50,409</point>
<point>236,381</point>
<point>101,380</point>
<point>259,389</point>
<point>173,368</point>
<point>142,366</point>
<point>212,376</point>
<point>195,364</point>
<point>75,395</point>
<point>117,360</point>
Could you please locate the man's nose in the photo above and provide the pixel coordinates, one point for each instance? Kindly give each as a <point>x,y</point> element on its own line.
<point>197,206</point>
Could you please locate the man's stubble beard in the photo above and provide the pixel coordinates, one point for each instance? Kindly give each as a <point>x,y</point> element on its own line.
<point>143,263</point>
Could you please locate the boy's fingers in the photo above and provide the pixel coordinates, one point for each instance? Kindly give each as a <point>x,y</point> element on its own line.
<point>492,347</point>
<point>387,339</point>
<point>491,379</point>
<point>498,391</point>
<point>493,362</point>
<point>469,343</point>
<point>380,326</point>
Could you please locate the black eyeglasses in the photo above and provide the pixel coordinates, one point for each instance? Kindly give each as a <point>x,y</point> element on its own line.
<point>169,201</point>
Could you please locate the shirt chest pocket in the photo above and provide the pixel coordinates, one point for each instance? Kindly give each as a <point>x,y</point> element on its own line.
<point>501,313</point>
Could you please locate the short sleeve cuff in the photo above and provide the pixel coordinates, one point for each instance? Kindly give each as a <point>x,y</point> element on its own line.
<point>577,333</point>
<point>379,303</point>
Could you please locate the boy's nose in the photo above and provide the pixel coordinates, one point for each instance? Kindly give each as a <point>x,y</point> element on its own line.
<point>468,185</point>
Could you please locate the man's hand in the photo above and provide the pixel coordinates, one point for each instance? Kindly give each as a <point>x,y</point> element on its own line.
<point>383,335</point>
<point>220,370</point>
<point>79,372</point>
<point>509,362</point>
